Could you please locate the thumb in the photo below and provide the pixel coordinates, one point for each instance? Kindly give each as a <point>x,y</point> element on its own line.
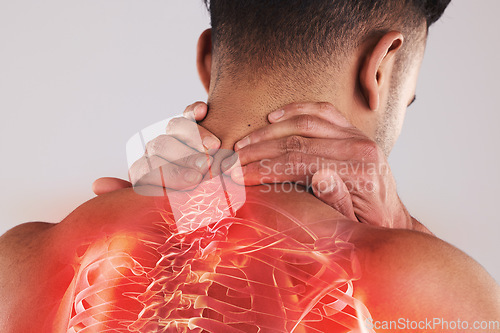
<point>329,188</point>
<point>196,111</point>
<point>109,184</point>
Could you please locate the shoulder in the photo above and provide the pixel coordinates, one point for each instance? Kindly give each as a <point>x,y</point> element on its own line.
<point>111,207</point>
<point>415,276</point>
<point>17,245</point>
<point>20,250</point>
<point>37,258</point>
<point>109,213</point>
<point>105,213</point>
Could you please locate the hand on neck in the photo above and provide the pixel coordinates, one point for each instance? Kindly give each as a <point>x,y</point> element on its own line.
<point>237,110</point>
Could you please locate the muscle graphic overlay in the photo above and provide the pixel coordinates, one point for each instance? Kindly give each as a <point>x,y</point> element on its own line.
<point>215,268</point>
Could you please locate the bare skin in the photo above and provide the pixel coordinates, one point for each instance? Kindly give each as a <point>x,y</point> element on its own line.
<point>401,270</point>
<point>305,136</point>
<point>405,274</point>
<point>343,166</point>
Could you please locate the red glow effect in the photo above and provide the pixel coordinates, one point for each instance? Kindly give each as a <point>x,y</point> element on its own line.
<point>211,270</point>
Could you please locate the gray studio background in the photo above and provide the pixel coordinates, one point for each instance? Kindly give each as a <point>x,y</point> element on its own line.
<point>79,78</point>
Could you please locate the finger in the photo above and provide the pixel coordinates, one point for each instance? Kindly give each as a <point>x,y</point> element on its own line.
<point>165,174</point>
<point>192,134</point>
<point>109,184</point>
<point>350,150</point>
<point>329,188</point>
<point>292,167</point>
<point>178,176</point>
<point>329,149</point>
<point>321,110</point>
<point>174,151</point>
<point>196,111</point>
<point>304,125</point>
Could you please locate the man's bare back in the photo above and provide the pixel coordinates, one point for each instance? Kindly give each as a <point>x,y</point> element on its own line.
<point>284,261</point>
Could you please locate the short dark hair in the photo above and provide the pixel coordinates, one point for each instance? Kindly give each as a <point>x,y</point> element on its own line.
<point>272,32</point>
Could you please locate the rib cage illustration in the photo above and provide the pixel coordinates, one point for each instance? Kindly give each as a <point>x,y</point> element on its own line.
<point>217,272</point>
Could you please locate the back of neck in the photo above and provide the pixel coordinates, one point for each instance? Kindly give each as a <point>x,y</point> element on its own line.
<point>239,110</point>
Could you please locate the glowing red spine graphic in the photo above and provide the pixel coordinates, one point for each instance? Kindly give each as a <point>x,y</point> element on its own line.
<point>203,268</point>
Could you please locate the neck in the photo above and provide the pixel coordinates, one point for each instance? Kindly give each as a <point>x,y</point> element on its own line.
<point>239,108</point>
<point>236,110</point>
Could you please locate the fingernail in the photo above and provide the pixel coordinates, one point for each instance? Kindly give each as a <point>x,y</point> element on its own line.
<point>202,162</point>
<point>210,143</point>
<point>275,115</point>
<point>242,143</point>
<point>324,186</point>
<point>188,115</point>
<point>237,174</point>
<point>192,176</point>
<point>226,164</point>
<point>196,110</point>
<point>229,162</point>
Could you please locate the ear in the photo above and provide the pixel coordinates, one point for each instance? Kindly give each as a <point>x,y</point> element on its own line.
<point>204,58</point>
<point>377,66</point>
